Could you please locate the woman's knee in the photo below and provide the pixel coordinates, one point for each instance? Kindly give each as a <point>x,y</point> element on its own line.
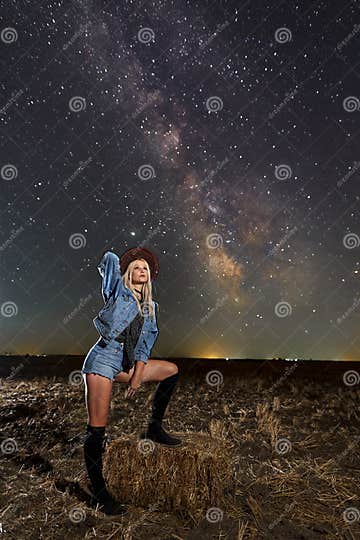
<point>173,369</point>
<point>168,369</point>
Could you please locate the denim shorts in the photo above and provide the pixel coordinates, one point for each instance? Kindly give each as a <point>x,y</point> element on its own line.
<point>104,359</point>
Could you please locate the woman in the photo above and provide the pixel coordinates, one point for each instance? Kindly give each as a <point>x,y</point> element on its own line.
<point>128,330</point>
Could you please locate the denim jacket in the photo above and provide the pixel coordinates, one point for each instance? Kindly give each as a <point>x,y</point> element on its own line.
<point>121,308</point>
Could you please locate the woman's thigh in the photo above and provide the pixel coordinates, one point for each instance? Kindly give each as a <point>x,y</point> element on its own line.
<point>98,390</point>
<point>154,370</point>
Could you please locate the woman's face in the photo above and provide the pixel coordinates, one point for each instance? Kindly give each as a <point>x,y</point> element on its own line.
<point>140,272</point>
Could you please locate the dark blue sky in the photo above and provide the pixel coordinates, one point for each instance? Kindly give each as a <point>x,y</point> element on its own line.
<point>224,136</point>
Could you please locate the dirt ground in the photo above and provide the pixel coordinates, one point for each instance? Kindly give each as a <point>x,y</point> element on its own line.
<point>297,464</point>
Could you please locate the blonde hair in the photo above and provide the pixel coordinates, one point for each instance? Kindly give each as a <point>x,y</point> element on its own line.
<point>146,307</point>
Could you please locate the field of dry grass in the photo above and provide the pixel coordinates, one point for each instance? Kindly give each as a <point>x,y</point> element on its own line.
<point>294,446</point>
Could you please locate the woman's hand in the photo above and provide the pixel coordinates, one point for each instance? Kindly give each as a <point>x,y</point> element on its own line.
<point>135,383</point>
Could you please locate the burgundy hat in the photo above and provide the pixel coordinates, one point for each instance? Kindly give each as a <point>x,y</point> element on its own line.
<point>140,253</point>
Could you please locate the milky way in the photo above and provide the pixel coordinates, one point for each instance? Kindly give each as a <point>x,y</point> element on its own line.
<point>224,136</point>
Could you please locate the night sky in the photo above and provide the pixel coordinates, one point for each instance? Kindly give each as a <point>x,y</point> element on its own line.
<point>224,136</point>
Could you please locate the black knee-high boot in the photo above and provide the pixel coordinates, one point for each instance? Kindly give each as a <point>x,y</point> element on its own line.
<point>94,446</point>
<point>162,397</point>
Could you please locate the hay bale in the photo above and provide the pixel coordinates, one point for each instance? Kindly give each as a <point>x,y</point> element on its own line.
<point>190,478</point>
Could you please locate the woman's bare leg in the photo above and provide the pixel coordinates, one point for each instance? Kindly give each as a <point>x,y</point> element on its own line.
<point>154,370</point>
<point>98,390</point>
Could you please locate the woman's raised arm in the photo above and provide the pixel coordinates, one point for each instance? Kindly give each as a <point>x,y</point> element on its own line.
<point>109,270</point>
